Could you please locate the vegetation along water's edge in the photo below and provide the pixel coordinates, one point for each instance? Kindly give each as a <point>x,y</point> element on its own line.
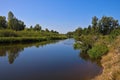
<point>101,40</point>
<point>111,63</point>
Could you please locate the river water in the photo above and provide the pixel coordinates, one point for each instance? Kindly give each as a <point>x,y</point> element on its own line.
<point>56,60</point>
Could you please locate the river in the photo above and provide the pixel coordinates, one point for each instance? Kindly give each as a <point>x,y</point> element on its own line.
<point>55,60</point>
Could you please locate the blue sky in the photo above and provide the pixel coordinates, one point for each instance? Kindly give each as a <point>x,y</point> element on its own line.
<point>60,15</point>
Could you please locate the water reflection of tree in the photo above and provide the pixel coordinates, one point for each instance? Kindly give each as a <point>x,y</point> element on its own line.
<point>83,52</point>
<point>2,52</point>
<point>84,56</point>
<point>13,50</point>
<point>13,53</point>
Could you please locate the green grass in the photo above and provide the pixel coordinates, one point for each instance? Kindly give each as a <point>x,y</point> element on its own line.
<point>8,33</point>
<point>28,39</point>
<point>11,36</point>
<point>97,51</point>
<point>21,39</point>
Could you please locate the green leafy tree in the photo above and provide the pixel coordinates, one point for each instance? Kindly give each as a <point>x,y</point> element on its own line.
<point>89,29</point>
<point>31,27</point>
<point>70,34</point>
<point>107,24</point>
<point>94,21</point>
<point>21,25</point>
<point>10,16</point>
<point>3,22</point>
<point>47,30</point>
<point>11,20</point>
<point>37,27</point>
<point>52,31</point>
<point>14,23</point>
<point>85,31</point>
<point>56,32</point>
<point>94,24</point>
<point>78,31</point>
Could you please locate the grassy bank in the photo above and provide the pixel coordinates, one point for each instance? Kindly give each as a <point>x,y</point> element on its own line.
<point>28,39</point>
<point>107,49</point>
<point>95,46</point>
<point>21,39</point>
<point>111,63</point>
<point>11,36</point>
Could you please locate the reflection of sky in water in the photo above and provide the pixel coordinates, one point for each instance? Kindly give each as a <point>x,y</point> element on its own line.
<point>57,61</point>
<point>69,42</point>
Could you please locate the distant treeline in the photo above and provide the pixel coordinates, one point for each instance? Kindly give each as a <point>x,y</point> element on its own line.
<point>15,24</point>
<point>103,26</point>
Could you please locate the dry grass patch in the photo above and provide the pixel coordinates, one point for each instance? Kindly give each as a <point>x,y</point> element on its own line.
<point>111,63</point>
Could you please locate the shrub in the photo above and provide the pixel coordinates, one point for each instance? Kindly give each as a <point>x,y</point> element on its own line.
<point>114,34</point>
<point>97,51</point>
<point>77,46</point>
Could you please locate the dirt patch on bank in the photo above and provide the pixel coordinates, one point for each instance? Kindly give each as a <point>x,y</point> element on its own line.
<point>111,63</point>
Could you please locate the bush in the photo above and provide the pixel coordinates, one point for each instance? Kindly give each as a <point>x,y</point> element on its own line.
<point>97,51</point>
<point>77,46</point>
<point>114,34</point>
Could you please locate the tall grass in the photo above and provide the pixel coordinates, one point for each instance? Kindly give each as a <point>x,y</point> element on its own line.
<point>21,39</point>
<point>11,36</point>
<point>8,33</point>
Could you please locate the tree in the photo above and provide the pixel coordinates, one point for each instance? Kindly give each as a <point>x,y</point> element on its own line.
<point>78,31</point>
<point>107,24</point>
<point>11,20</point>
<point>85,31</point>
<point>56,32</point>
<point>37,27</point>
<point>31,27</point>
<point>89,29</point>
<point>94,23</point>
<point>10,16</point>
<point>3,22</point>
<point>52,31</point>
<point>46,30</point>
<point>14,23</point>
<point>69,34</point>
<point>21,25</point>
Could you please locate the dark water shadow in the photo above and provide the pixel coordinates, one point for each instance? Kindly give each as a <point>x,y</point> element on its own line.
<point>13,50</point>
<point>87,58</point>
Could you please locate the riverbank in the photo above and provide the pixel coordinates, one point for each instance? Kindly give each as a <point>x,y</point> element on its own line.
<point>11,36</point>
<point>28,39</point>
<point>110,60</point>
<point>111,63</point>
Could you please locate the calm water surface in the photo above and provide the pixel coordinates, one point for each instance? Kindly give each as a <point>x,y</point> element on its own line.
<point>45,61</point>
